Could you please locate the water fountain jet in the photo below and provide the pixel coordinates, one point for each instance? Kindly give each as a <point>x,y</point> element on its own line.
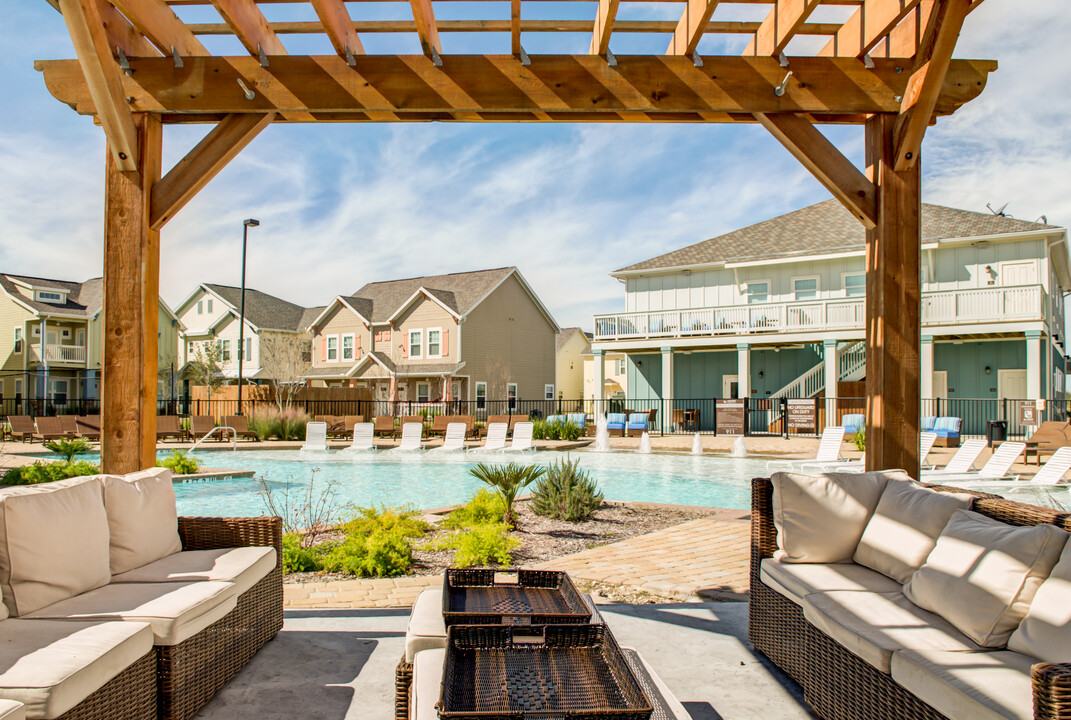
<point>739,448</point>
<point>645,444</point>
<point>602,435</point>
<point>697,445</point>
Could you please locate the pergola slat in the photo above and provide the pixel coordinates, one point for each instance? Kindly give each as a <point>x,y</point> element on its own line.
<point>603,27</point>
<point>123,35</point>
<point>250,26</point>
<point>780,26</point>
<point>867,26</point>
<point>337,23</point>
<point>689,30</point>
<point>157,22</point>
<point>424,17</point>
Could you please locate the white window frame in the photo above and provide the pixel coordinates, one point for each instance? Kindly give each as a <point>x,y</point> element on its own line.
<point>767,294</point>
<point>247,355</point>
<point>817,287</point>
<point>548,391</point>
<point>428,333</point>
<point>481,399</point>
<point>224,350</point>
<point>427,392</point>
<point>80,338</point>
<point>49,296</point>
<point>200,307</point>
<point>18,339</point>
<point>342,346</point>
<point>209,307</point>
<point>18,388</point>
<point>65,333</point>
<point>420,344</point>
<point>37,330</point>
<point>512,396</point>
<point>330,349</point>
<point>620,366</point>
<point>844,282</point>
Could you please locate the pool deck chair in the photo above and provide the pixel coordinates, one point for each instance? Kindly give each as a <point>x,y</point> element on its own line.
<point>201,425</point>
<point>853,423</point>
<point>22,427</point>
<point>385,424</point>
<point>996,468</point>
<point>947,429</point>
<point>857,465</point>
<point>496,436</point>
<point>1050,474</point>
<point>363,437</point>
<point>964,458</point>
<point>412,433</point>
<point>616,421</point>
<point>315,437</point>
<point>454,439</point>
<point>926,441</point>
<point>169,426</point>
<point>638,424</point>
<point>89,427</point>
<point>828,451</point>
<point>50,428</point>
<point>240,424</point>
<point>522,438</point>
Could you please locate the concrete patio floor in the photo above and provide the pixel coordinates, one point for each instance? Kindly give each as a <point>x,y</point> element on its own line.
<point>339,664</point>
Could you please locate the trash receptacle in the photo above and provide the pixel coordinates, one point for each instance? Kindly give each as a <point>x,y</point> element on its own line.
<point>996,431</point>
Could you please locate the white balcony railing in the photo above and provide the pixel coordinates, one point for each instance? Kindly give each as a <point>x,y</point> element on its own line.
<point>991,304</point>
<point>55,353</point>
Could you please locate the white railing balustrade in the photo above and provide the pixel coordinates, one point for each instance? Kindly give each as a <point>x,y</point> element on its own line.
<point>55,353</point>
<point>989,304</point>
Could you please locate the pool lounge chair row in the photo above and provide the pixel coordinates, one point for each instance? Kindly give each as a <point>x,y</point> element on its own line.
<point>413,436</point>
<point>23,427</point>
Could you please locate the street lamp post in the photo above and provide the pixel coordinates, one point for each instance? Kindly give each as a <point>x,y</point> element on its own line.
<point>246,224</point>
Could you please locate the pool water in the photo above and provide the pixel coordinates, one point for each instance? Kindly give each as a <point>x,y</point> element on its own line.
<point>425,479</point>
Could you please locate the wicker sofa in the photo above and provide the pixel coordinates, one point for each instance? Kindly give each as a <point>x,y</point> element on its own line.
<point>938,674</point>
<point>115,608</point>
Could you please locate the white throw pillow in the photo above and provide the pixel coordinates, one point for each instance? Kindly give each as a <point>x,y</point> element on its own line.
<point>53,542</point>
<point>904,528</point>
<point>1045,632</point>
<point>983,574</point>
<point>820,518</point>
<point>142,518</point>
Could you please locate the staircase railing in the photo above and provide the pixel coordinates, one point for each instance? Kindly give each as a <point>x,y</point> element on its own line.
<point>851,359</point>
<point>210,433</point>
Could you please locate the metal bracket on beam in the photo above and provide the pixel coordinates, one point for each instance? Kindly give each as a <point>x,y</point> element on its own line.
<point>176,57</point>
<point>262,56</point>
<point>610,59</point>
<point>868,62</point>
<point>780,89</point>
<point>123,62</point>
<point>782,60</point>
<point>350,60</point>
<point>525,60</point>
<point>696,60</point>
<point>436,59</point>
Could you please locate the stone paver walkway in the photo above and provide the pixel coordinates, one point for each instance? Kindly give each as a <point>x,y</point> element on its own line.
<point>704,558</point>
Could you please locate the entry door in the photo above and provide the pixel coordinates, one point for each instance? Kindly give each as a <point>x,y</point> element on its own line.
<point>730,386</point>
<point>1018,273</point>
<point>1011,384</point>
<point>940,384</point>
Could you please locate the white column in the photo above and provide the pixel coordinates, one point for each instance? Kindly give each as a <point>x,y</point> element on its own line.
<point>743,369</point>
<point>831,358</point>
<point>1034,364</point>
<point>599,380</point>
<point>668,391</point>
<point>926,368</point>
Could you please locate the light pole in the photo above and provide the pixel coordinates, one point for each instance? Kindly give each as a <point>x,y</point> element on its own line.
<point>246,224</point>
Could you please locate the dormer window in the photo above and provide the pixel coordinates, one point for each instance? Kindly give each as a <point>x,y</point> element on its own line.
<point>49,296</point>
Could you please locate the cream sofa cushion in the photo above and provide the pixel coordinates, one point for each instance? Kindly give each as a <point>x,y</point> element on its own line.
<point>53,542</point>
<point>175,611</point>
<point>426,629</point>
<point>820,518</point>
<point>980,686</point>
<point>796,580</point>
<point>904,528</point>
<point>52,665</point>
<point>12,710</point>
<point>142,518</point>
<point>982,574</point>
<point>1045,632</point>
<point>873,626</point>
<point>243,566</point>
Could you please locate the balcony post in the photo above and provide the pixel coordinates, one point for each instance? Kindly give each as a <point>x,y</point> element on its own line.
<point>668,391</point>
<point>926,368</point>
<point>1034,364</point>
<point>598,380</point>
<point>832,374</point>
<point>743,370</point>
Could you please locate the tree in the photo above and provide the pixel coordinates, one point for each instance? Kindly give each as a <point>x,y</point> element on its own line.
<point>206,369</point>
<point>284,360</point>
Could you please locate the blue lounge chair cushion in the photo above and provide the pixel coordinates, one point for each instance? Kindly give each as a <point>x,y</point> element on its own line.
<point>852,423</point>
<point>578,419</point>
<point>947,427</point>
<point>615,421</point>
<point>927,423</point>
<point>637,421</point>
<point>554,419</point>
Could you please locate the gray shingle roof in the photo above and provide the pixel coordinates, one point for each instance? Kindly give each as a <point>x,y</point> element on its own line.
<point>266,311</point>
<point>564,336</point>
<point>458,291</point>
<point>83,299</point>
<point>826,227</point>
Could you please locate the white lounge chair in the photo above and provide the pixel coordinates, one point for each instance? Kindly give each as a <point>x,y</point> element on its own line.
<point>496,436</point>
<point>522,438</point>
<point>1051,473</point>
<point>315,437</point>
<point>963,460</point>
<point>857,465</point>
<point>454,439</point>
<point>363,437</point>
<point>996,468</point>
<point>926,441</point>
<point>828,451</point>
<point>412,434</point>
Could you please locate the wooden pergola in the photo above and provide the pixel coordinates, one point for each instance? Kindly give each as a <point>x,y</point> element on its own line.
<point>888,67</point>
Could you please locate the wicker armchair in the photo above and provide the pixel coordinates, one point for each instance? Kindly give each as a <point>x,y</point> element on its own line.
<point>836,683</point>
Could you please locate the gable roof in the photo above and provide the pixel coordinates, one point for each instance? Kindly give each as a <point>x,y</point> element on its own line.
<point>826,228</point>
<point>460,292</point>
<point>82,299</point>
<point>565,335</point>
<point>264,311</point>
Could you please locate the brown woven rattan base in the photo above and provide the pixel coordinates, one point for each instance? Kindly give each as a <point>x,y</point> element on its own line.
<point>777,629</point>
<point>403,679</point>
<point>130,695</point>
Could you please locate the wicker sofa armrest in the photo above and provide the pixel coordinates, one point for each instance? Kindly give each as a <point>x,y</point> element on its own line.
<point>210,533</point>
<point>763,531</point>
<point>1052,691</point>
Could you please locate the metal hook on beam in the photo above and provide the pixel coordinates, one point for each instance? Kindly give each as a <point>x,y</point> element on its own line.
<point>262,56</point>
<point>610,59</point>
<point>780,89</point>
<point>249,94</point>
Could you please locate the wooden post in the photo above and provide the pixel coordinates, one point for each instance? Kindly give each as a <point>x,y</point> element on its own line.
<point>892,306</point>
<point>131,314</point>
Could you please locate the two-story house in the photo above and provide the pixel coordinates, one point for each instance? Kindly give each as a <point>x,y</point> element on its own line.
<point>463,336</point>
<point>211,314</point>
<point>571,345</point>
<point>51,340</point>
<point>777,309</point>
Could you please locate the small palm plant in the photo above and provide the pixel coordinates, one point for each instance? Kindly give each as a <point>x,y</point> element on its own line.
<point>68,447</point>
<point>508,481</point>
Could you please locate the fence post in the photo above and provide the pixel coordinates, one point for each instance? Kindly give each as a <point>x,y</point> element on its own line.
<point>747,416</point>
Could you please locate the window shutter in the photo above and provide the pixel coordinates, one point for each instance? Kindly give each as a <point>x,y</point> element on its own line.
<point>357,341</point>
<point>323,348</point>
<point>405,348</point>
<point>445,349</point>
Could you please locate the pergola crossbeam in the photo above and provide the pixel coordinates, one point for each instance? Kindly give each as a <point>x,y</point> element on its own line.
<point>605,16</point>
<point>159,24</point>
<point>689,30</point>
<point>828,165</point>
<point>780,26</point>
<point>427,30</point>
<point>250,27</point>
<point>337,23</point>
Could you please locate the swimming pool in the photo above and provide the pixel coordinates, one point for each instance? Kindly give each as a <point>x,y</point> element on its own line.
<point>430,479</point>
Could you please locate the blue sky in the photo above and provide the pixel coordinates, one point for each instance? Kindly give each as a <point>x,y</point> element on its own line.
<point>341,205</point>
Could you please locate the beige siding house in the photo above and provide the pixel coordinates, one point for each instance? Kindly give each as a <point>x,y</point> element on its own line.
<point>570,348</point>
<point>473,336</point>
<point>51,340</point>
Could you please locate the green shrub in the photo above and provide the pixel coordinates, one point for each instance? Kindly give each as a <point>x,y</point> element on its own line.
<point>401,520</point>
<point>859,440</point>
<point>68,447</point>
<point>381,553</point>
<point>180,463</point>
<point>269,422</point>
<point>44,472</point>
<point>539,429</point>
<point>479,545</point>
<point>542,430</point>
<point>508,481</point>
<point>486,506</point>
<point>566,492</point>
<point>297,558</point>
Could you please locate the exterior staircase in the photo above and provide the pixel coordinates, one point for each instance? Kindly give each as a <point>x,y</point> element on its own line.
<point>851,366</point>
